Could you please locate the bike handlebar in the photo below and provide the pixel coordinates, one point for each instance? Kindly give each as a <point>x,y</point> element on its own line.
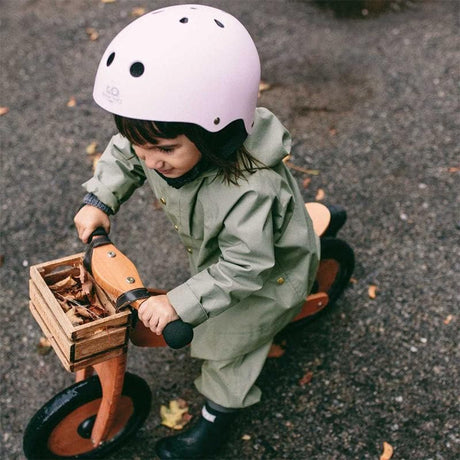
<point>177,334</point>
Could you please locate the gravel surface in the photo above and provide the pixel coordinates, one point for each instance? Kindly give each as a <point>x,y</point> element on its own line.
<point>373,104</point>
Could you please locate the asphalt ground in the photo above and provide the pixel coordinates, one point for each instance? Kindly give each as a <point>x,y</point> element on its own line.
<point>372,103</point>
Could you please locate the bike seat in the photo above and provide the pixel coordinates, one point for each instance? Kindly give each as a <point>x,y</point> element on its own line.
<point>327,220</point>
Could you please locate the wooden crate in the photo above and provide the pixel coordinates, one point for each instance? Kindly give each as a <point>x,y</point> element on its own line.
<point>76,346</point>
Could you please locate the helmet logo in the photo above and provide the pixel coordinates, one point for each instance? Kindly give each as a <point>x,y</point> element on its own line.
<point>112,94</point>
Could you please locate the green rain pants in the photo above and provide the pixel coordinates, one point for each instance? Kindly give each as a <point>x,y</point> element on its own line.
<point>231,383</point>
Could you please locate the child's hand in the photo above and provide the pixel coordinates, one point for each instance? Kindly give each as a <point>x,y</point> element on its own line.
<point>88,219</point>
<point>156,312</point>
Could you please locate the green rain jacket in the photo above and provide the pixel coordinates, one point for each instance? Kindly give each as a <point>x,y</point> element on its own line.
<point>252,249</point>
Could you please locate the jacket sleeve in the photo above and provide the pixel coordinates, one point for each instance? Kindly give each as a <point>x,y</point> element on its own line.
<point>118,173</point>
<point>247,257</point>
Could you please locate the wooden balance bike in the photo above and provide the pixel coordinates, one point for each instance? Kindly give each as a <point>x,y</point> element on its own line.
<point>99,412</point>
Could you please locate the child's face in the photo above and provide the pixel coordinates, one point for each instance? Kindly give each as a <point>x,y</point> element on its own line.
<point>170,157</point>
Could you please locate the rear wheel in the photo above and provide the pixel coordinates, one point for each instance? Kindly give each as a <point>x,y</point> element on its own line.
<point>61,429</point>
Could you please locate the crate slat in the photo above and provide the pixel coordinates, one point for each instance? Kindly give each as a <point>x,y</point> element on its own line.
<point>82,345</point>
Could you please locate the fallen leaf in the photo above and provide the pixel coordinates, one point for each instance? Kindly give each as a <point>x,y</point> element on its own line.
<point>264,86</point>
<point>306,182</point>
<point>320,195</point>
<point>175,416</point>
<point>72,102</point>
<point>372,291</point>
<point>137,11</point>
<point>332,131</point>
<point>306,378</point>
<point>448,319</point>
<point>4,110</point>
<point>387,451</point>
<point>245,437</point>
<point>108,1</point>
<point>44,346</point>
<point>277,350</point>
<point>453,169</point>
<point>91,148</point>
<point>313,172</point>
<point>353,280</point>
<point>92,33</point>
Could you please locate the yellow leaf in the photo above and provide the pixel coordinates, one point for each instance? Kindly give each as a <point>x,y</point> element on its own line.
<point>91,148</point>
<point>387,451</point>
<point>372,291</point>
<point>72,102</point>
<point>448,319</point>
<point>108,1</point>
<point>44,346</point>
<point>92,33</point>
<point>320,195</point>
<point>4,110</point>
<point>263,86</point>
<point>175,416</point>
<point>137,11</point>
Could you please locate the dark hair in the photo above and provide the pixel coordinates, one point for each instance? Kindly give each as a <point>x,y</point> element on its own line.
<point>223,149</point>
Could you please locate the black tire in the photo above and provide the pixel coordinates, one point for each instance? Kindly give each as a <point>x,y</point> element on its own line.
<point>66,410</point>
<point>334,272</point>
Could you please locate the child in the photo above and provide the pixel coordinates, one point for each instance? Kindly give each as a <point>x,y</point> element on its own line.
<point>182,83</point>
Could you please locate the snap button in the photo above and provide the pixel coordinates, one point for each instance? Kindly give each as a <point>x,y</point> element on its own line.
<point>189,250</point>
<point>280,280</point>
<point>163,200</point>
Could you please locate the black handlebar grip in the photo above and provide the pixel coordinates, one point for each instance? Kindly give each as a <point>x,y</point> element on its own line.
<point>177,334</point>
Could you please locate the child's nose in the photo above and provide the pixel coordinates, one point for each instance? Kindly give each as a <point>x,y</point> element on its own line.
<point>154,163</point>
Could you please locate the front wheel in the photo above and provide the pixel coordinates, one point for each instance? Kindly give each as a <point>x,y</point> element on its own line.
<point>61,429</point>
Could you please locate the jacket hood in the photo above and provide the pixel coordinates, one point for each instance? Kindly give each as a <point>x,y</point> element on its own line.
<point>270,141</point>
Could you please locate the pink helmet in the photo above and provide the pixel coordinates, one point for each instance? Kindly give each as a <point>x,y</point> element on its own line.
<point>184,63</point>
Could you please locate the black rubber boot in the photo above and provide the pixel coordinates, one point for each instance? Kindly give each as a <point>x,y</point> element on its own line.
<point>202,440</point>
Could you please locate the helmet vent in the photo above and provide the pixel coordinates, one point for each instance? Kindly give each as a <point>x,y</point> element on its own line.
<point>110,59</point>
<point>219,23</point>
<point>184,20</point>
<point>137,69</point>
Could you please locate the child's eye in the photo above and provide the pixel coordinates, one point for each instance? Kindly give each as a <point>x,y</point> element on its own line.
<point>165,149</point>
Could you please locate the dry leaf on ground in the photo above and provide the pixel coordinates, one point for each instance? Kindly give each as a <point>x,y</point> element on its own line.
<point>372,291</point>
<point>306,182</point>
<point>306,378</point>
<point>246,437</point>
<point>91,148</point>
<point>320,195</point>
<point>92,33</point>
<point>277,350</point>
<point>175,416</point>
<point>4,110</point>
<point>448,319</point>
<point>387,451</point>
<point>72,102</point>
<point>138,11</point>
<point>453,169</point>
<point>44,346</point>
